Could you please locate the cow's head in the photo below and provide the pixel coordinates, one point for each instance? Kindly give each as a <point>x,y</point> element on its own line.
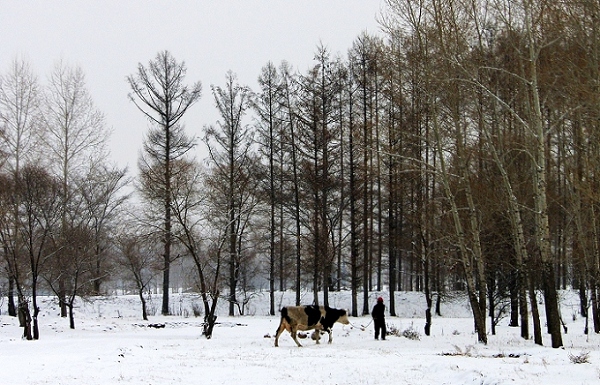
<point>343,317</point>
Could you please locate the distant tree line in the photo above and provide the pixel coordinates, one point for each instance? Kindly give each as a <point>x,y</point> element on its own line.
<point>454,151</point>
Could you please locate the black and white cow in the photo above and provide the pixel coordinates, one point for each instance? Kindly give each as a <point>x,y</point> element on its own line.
<point>319,318</point>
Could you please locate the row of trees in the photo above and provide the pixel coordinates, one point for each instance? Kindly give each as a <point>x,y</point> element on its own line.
<point>57,195</point>
<point>456,150</point>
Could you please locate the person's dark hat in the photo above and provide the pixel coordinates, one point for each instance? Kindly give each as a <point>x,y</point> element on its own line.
<point>380,299</point>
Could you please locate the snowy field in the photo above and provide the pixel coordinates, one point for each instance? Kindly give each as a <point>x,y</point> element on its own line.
<point>112,345</point>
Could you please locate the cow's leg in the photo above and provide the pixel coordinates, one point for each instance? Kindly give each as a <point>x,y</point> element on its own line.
<point>280,330</point>
<point>294,336</point>
<point>330,335</point>
<point>315,335</point>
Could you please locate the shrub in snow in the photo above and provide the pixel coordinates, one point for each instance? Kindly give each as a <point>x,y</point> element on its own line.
<point>411,334</point>
<point>392,330</point>
<point>581,358</point>
<point>466,352</point>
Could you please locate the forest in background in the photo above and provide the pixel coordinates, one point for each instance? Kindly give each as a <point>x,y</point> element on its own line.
<point>456,150</point>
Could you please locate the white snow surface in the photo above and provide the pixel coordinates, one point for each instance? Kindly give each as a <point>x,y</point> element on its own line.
<point>112,345</point>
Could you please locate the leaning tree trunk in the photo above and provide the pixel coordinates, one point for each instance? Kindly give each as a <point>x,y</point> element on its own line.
<point>516,225</point>
<point>535,314</point>
<point>465,260</point>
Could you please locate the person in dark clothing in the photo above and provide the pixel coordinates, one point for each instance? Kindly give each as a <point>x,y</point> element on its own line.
<point>378,315</point>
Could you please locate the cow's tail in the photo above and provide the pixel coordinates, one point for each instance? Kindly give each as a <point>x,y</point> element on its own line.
<point>284,314</point>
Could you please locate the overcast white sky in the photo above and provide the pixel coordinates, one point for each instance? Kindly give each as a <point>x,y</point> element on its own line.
<point>108,38</point>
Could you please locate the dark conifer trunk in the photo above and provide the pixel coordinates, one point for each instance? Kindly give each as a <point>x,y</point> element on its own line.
<point>12,309</point>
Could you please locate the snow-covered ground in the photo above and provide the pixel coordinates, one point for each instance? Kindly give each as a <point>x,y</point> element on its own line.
<point>112,345</point>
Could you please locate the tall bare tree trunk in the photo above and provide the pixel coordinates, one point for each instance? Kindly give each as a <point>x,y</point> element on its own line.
<point>542,229</point>
<point>291,132</point>
<point>474,291</point>
<point>159,93</point>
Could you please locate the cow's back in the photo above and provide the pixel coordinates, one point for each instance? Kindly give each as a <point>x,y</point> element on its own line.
<point>313,314</point>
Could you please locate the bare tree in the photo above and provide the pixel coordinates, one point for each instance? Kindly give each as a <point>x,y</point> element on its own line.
<point>288,100</point>
<point>70,276</point>
<point>229,145</point>
<point>136,255</point>
<point>160,93</point>
<point>40,203</point>
<point>19,114</point>
<point>318,127</point>
<point>102,198</point>
<point>581,80</point>
<point>350,90</point>
<point>268,106</point>
<point>29,251</point>
<point>16,267</point>
<point>436,29</point>
<point>365,57</point>
<point>190,216</point>
<point>19,122</point>
<point>75,137</point>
